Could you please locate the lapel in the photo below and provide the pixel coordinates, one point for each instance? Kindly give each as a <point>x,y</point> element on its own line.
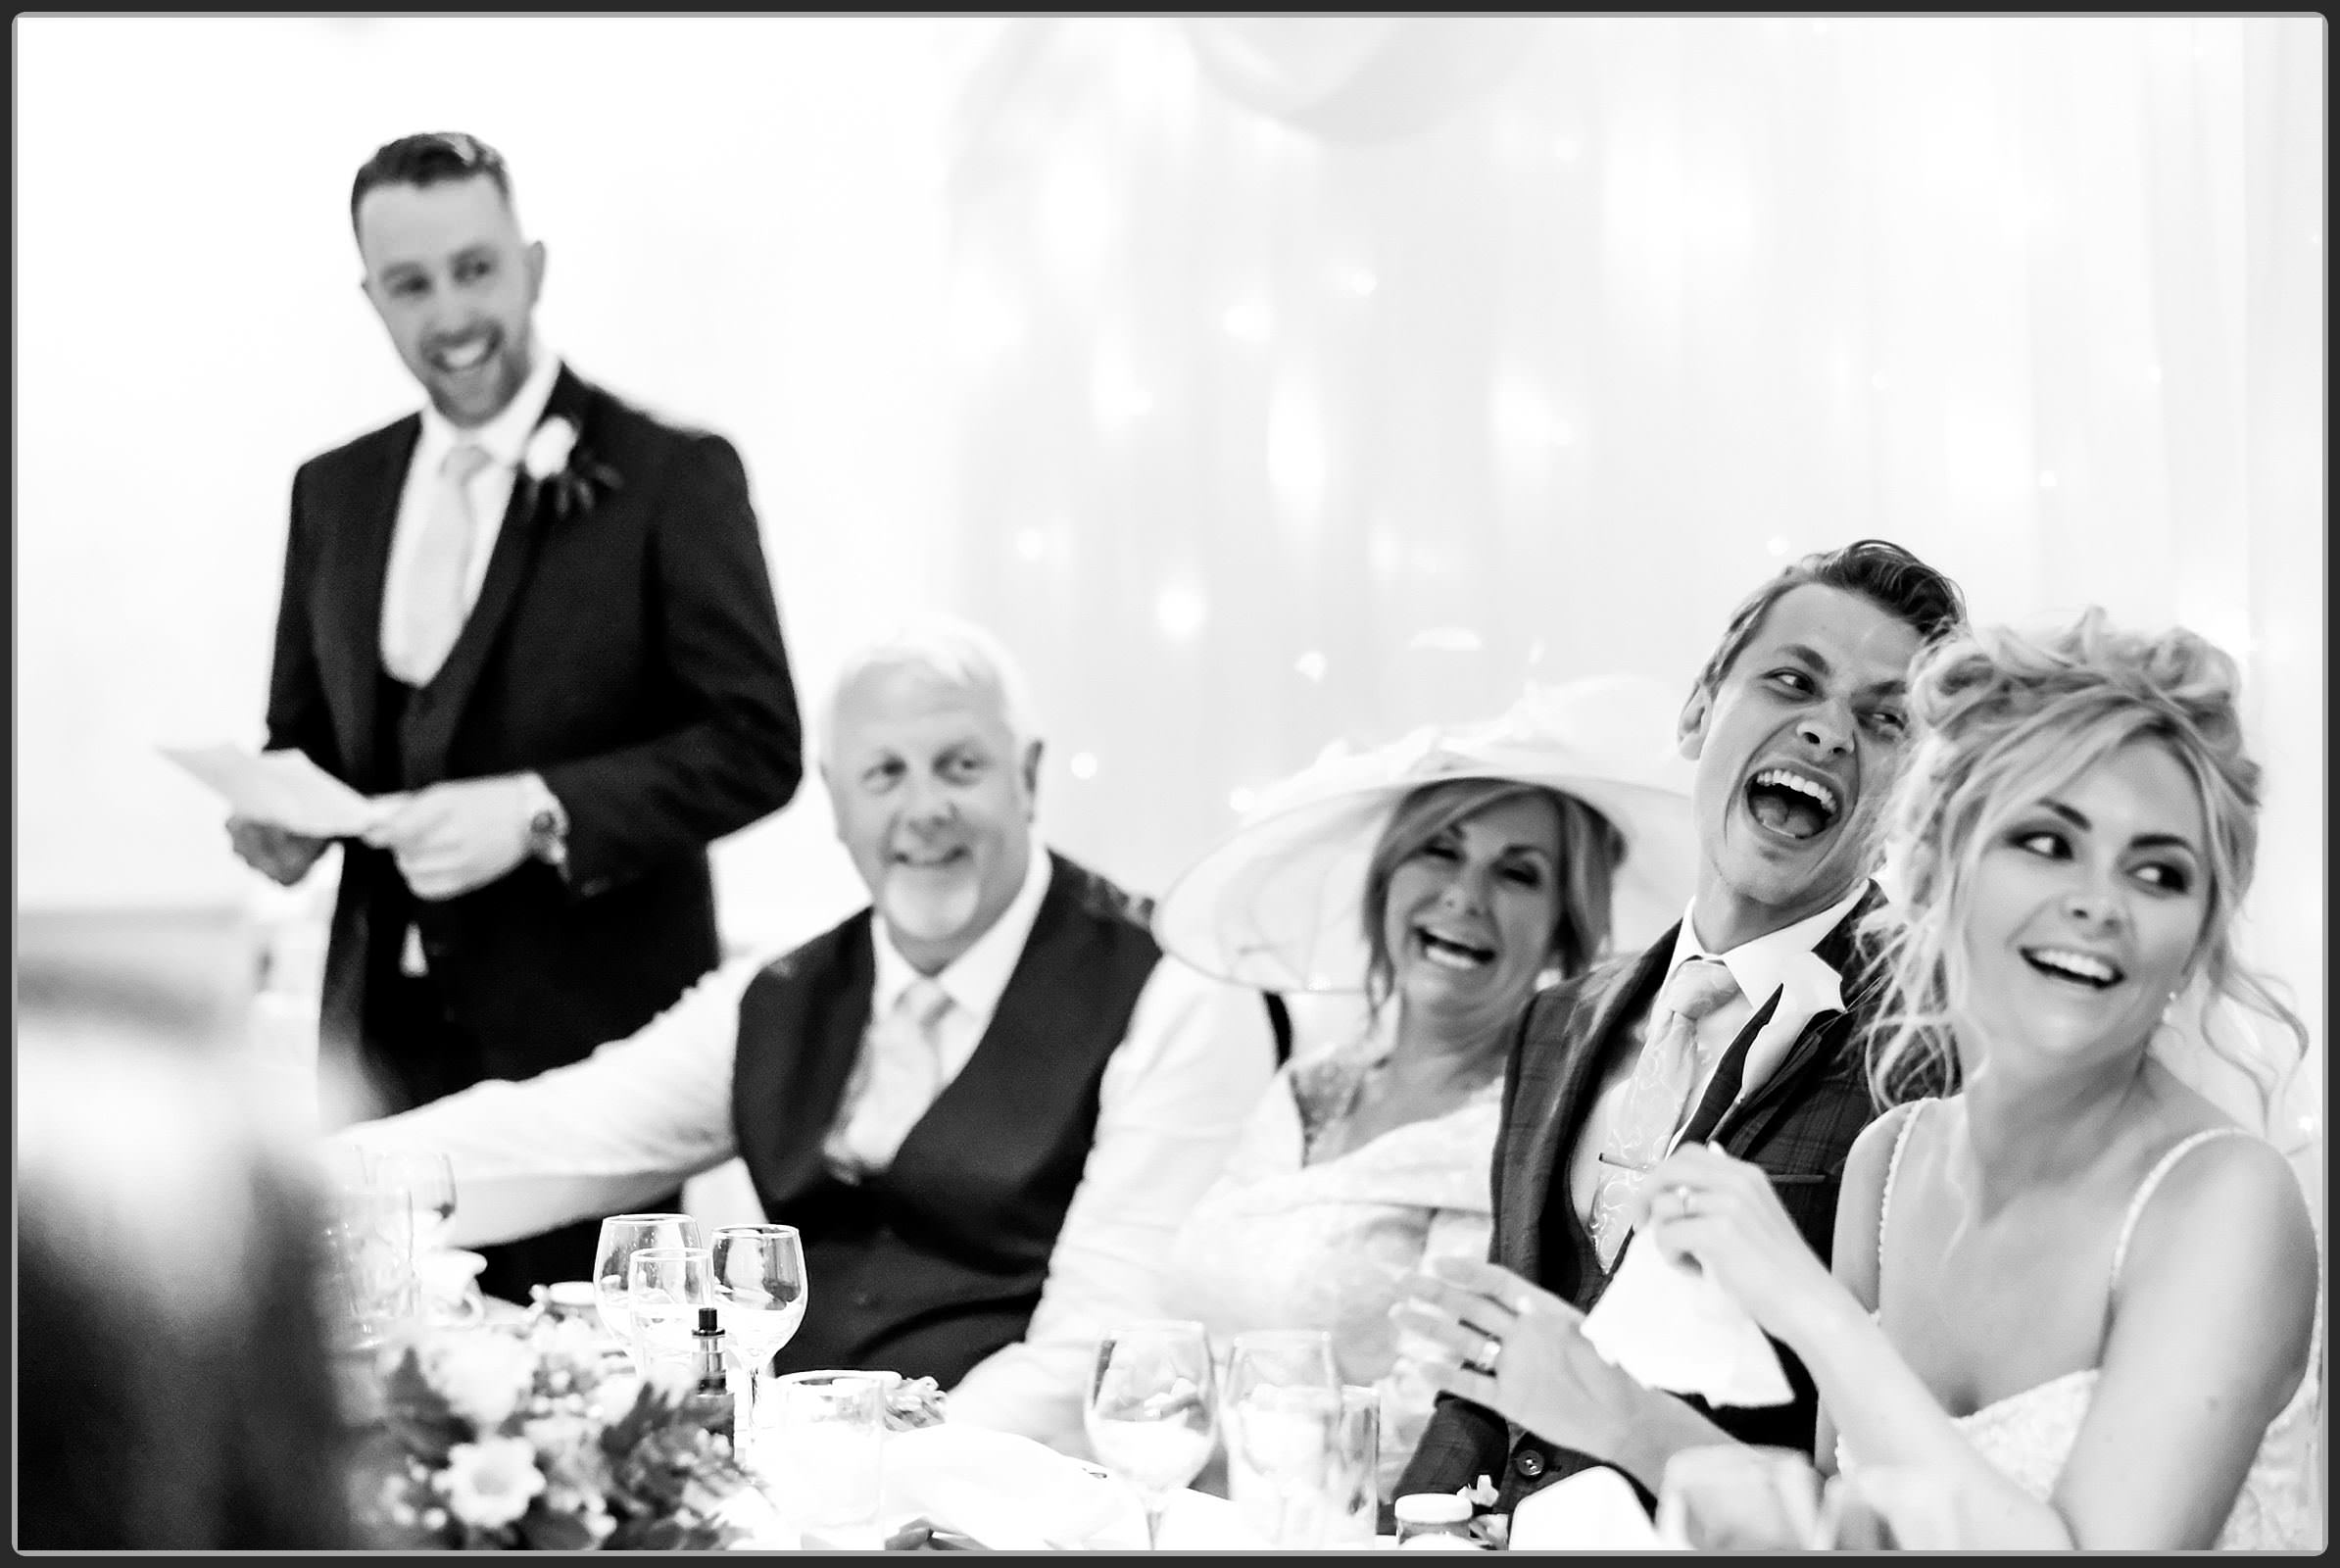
<point>1731,1067</point>
<point>433,722</point>
<point>1584,1055</point>
<point>349,643</point>
<point>811,1057</point>
<point>1837,949</point>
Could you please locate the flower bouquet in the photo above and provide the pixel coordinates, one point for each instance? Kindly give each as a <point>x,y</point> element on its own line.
<point>502,1438</point>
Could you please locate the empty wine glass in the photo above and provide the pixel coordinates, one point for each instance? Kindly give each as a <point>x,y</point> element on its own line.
<point>1282,1400</point>
<point>666,1286</point>
<point>1150,1413</point>
<point>760,1294</point>
<point>622,1236</point>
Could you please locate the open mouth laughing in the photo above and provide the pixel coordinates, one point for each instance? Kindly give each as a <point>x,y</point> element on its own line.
<point>463,355</point>
<point>1446,952</point>
<point>2070,966</point>
<point>1792,804</point>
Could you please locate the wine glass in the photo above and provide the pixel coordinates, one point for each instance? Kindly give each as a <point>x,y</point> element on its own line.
<point>1736,1497</point>
<point>664,1289</point>
<point>622,1236</point>
<point>1281,1399</point>
<point>760,1295</point>
<point>1151,1415</point>
<point>428,1177</point>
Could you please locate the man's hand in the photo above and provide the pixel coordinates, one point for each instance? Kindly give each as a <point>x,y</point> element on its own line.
<point>1547,1377</point>
<point>278,854</point>
<point>451,838</point>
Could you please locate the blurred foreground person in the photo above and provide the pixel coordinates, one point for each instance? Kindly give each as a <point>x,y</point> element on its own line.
<point>1445,876</point>
<point>174,1388</point>
<point>2072,1291</point>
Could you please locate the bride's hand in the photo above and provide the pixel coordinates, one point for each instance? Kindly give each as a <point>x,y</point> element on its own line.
<point>1700,1204</point>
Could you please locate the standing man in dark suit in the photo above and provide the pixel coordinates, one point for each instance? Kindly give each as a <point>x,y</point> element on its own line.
<point>541,621</point>
<point>1738,1028</point>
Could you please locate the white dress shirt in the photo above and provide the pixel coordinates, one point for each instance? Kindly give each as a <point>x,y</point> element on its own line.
<point>1780,960</point>
<point>504,439</point>
<point>624,1125</point>
<point>973,981</point>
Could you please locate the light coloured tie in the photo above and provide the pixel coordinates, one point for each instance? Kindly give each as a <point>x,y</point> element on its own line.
<point>437,587</point>
<point>1656,1097</point>
<point>905,1074</point>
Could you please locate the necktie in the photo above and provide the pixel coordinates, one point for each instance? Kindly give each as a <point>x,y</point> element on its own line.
<point>437,597</point>
<point>1657,1094</point>
<point>905,1074</point>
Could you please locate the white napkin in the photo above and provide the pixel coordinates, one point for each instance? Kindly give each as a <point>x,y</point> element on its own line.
<point>1674,1328</point>
<point>1008,1492</point>
<point>1592,1510</point>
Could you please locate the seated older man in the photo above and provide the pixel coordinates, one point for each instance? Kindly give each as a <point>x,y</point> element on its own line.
<point>986,1100</point>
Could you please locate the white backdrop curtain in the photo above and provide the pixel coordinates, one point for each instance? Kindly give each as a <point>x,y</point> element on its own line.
<point>1323,377</point>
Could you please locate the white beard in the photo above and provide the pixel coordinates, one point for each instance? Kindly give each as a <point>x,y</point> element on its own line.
<point>916,907</point>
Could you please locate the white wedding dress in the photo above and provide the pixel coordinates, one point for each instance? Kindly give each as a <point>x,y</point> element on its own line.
<point>1279,1242</point>
<point>2029,1435</point>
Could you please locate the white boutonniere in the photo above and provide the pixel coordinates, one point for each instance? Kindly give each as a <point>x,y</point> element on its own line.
<point>557,465</point>
<point>548,449</point>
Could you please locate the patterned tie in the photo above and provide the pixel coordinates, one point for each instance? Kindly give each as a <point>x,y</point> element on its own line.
<point>905,1074</point>
<point>1656,1097</point>
<point>437,597</point>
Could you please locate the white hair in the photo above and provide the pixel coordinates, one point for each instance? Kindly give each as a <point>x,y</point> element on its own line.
<point>956,652</point>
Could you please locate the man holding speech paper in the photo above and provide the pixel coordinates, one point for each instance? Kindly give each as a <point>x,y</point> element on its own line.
<point>538,624</point>
<point>1739,1029</point>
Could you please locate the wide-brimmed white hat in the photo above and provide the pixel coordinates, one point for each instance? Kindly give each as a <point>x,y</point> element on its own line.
<point>1277,903</point>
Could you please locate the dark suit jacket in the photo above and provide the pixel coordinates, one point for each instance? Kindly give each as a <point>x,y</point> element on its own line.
<point>1798,1126</point>
<point>629,652</point>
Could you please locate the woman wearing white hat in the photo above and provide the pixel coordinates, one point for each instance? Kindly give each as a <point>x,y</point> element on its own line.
<point>1445,876</point>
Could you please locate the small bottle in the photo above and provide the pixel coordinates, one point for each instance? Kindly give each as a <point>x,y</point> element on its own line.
<point>1435,1521</point>
<point>709,1400</point>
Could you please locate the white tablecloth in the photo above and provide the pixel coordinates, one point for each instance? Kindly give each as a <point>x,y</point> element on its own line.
<point>1009,1494</point>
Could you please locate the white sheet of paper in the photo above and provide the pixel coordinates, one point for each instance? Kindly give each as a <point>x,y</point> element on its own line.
<point>1676,1329</point>
<point>284,788</point>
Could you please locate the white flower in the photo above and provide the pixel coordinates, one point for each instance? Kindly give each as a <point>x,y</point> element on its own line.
<point>483,1375</point>
<point>490,1484</point>
<point>548,449</point>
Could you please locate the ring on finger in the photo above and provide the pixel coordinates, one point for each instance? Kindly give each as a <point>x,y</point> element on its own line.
<point>1489,1352</point>
<point>1684,1201</point>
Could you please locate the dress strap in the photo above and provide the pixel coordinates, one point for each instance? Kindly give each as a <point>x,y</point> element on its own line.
<point>2153,1179</point>
<point>1884,1204</point>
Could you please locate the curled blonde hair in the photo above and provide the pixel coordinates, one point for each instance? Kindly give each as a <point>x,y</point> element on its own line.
<point>2003,720</point>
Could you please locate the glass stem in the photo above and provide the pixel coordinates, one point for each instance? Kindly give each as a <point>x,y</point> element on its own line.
<point>1155,1508</point>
